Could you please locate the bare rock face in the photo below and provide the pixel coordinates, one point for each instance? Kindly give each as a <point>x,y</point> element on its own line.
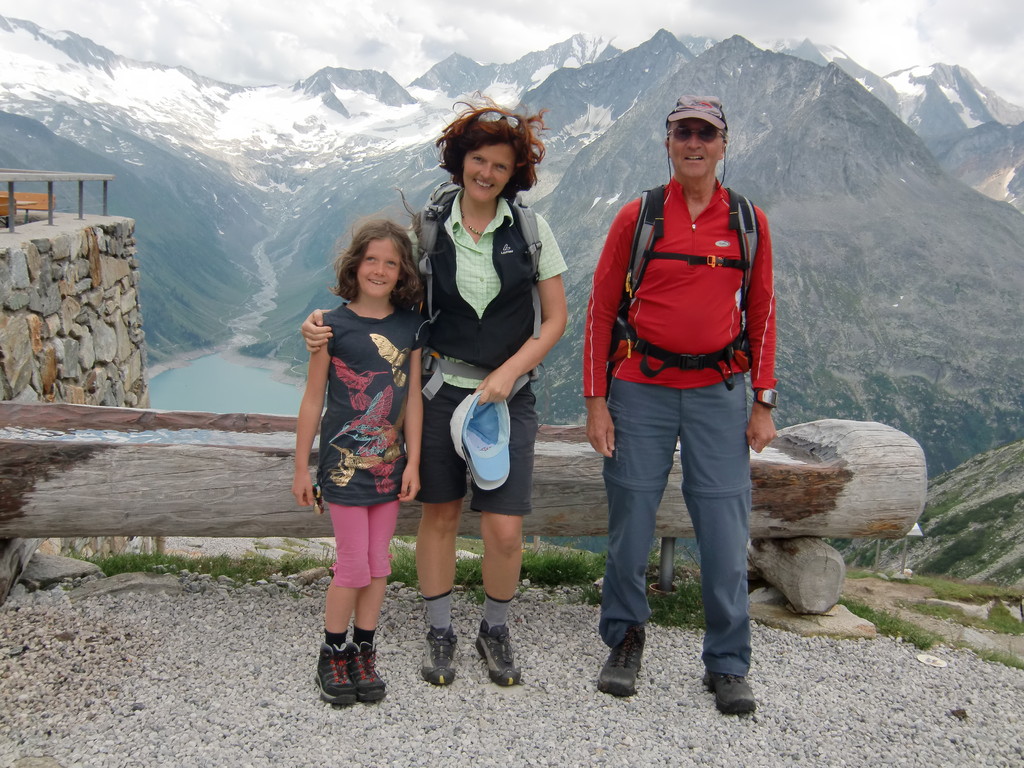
<point>151,583</point>
<point>44,571</point>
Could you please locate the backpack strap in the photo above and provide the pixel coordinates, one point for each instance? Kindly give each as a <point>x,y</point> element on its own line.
<point>743,219</point>
<point>650,227</point>
<point>435,366</point>
<point>430,220</point>
<point>528,228</point>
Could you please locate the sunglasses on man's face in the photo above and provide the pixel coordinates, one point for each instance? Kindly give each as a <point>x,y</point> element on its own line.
<point>705,134</point>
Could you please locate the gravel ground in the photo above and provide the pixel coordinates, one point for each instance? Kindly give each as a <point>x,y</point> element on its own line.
<point>222,675</point>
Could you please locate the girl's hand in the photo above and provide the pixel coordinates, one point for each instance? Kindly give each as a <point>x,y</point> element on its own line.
<point>410,484</point>
<point>302,489</point>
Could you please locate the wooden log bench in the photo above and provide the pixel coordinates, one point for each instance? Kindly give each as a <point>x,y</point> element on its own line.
<point>73,470</point>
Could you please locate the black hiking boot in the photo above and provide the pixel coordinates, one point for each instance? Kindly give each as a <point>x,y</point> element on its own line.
<point>332,677</point>
<point>362,668</point>
<point>618,675</point>
<point>495,648</point>
<point>732,693</point>
<point>438,663</point>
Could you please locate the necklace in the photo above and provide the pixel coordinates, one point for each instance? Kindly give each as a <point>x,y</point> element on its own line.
<point>469,226</point>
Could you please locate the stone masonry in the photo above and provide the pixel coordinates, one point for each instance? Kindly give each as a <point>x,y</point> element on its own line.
<point>70,321</point>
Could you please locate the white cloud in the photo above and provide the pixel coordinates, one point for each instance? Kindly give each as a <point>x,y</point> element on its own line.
<point>251,42</point>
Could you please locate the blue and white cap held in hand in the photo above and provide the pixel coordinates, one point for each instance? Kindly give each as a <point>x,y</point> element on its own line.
<point>480,432</point>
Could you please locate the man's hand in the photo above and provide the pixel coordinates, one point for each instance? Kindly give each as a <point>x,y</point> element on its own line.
<point>314,333</point>
<point>600,429</point>
<point>760,428</point>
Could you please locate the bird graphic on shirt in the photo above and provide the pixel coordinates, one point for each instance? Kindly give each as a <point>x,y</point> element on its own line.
<point>378,445</point>
<point>372,428</point>
<point>356,383</point>
<point>393,355</point>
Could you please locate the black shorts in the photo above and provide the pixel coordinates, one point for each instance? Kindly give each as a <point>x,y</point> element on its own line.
<point>444,475</point>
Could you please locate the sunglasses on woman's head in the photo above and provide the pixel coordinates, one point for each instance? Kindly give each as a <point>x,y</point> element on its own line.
<point>494,116</point>
<point>705,134</point>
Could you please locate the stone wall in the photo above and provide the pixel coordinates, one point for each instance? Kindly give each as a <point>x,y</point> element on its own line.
<point>70,321</point>
<point>71,329</point>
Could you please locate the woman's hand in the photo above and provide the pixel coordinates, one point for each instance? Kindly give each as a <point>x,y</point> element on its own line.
<point>314,332</point>
<point>498,385</point>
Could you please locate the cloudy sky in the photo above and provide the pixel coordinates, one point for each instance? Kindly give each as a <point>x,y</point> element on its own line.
<point>258,42</point>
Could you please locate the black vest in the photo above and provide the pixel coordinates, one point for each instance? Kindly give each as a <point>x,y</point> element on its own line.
<point>508,320</point>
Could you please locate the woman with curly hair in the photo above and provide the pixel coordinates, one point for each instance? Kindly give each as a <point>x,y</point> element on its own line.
<point>483,305</point>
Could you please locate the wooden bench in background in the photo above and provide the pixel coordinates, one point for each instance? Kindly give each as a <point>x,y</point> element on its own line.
<point>72,470</point>
<point>5,206</point>
<point>35,201</point>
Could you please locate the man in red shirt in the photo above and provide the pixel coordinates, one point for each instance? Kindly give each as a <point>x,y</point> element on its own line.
<point>682,389</point>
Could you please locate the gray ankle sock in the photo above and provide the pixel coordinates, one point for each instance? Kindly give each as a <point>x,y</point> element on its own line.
<point>439,610</point>
<point>496,611</point>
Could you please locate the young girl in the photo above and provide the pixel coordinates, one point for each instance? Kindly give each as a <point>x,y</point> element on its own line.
<point>372,374</point>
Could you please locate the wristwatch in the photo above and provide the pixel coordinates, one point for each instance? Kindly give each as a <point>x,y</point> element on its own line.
<point>766,397</point>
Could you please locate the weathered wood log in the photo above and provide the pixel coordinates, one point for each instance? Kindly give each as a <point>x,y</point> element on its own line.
<point>806,570</point>
<point>14,556</point>
<point>72,470</point>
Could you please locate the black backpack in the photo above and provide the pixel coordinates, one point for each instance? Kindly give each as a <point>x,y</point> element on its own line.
<point>649,228</point>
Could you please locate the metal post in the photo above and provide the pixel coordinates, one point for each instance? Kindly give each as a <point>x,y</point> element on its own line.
<point>81,196</point>
<point>667,569</point>
<point>12,210</point>
<point>49,202</point>
<point>104,197</point>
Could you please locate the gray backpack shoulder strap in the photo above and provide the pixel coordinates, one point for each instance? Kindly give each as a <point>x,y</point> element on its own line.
<point>430,219</point>
<point>743,219</point>
<point>528,228</point>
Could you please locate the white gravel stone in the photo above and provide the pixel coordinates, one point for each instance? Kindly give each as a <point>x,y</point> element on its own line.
<point>224,677</point>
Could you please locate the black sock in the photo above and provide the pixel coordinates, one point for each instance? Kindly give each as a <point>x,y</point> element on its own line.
<point>336,639</point>
<point>360,636</point>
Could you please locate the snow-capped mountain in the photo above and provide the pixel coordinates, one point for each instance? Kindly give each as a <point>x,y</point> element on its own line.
<point>946,106</point>
<point>937,101</point>
<point>457,76</point>
<point>244,191</point>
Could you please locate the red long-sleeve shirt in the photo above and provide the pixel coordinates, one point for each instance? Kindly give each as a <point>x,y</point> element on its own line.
<point>680,307</point>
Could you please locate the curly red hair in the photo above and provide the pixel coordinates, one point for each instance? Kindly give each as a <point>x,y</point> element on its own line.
<point>480,126</point>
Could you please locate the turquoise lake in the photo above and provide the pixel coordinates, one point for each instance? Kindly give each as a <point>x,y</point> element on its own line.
<point>216,385</point>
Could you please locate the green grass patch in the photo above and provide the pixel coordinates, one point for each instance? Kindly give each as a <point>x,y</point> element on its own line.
<point>999,618</point>
<point>403,566</point>
<point>1001,657</point>
<point>557,567</point>
<point>248,568</point>
<point>966,591</point>
<point>682,607</point>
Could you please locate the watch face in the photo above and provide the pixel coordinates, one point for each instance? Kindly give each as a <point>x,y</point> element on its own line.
<point>768,397</point>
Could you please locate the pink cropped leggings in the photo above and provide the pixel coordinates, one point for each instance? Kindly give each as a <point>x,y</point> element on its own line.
<point>362,536</point>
